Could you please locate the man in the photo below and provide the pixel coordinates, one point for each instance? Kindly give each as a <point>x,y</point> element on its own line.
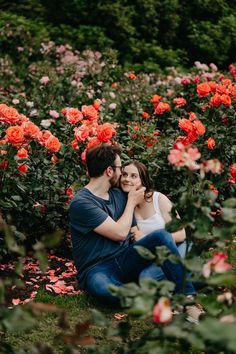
<point>101,216</point>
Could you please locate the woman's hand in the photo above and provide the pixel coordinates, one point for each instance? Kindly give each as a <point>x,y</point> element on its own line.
<point>136,234</point>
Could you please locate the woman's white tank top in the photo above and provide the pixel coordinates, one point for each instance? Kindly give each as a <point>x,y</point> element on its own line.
<point>154,222</point>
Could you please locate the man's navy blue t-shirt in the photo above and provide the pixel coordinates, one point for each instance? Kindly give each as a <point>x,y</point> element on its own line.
<point>88,211</point>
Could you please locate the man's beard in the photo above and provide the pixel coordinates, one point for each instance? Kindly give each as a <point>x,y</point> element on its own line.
<point>114,181</point>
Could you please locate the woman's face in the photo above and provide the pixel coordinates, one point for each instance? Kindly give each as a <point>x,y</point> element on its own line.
<point>129,178</point>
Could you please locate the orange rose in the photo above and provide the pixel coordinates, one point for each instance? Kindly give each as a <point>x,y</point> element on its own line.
<point>221,89</point>
<point>22,169</point>
<point>179,101</point>
<point>212,85</point>
<point>132,76</point>
<point>213,189</point>
<point>43,137</point>
<point>73,115</point>
<point>161,108</point>
<point>63,111</point>
<point>22,119</point>
<point>232,90</point>
<point>192,136</point>
<point>74,144</point>
<point>22,153</point>
<point>145,115</point>
<point>232,171</point>
<point>8,114</point>
<point>192,115</point>
<point>89,112</point>
<point>81,133</point>
<point>52,144</point>
<point>185,125</point>
<point>225,99</point>
<point>15,135</point>
<point>155,99</point>
<point>93,142</point>
<point>105,132</point>
<point>199,127</point>
<point>31,130</point>
<point>227,82</point>
<point>54,159</point>
<point>215,100</point>
<point>211,143</point>
<point>97,104</point>
<point>203,89</point>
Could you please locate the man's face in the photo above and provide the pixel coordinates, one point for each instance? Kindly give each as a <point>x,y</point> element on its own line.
<point>114,181</point>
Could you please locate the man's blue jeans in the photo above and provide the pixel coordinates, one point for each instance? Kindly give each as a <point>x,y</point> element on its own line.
<point>128,266</point>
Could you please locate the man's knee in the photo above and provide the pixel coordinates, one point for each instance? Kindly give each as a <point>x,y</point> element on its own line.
<point>98,285</point>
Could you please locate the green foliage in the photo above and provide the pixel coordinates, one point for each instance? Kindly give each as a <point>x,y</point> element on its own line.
<point>145,33</point>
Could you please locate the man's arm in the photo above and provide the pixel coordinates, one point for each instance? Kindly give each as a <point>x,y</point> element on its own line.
<point>118,230</point>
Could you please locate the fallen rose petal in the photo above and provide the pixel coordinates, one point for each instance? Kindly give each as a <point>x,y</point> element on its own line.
<point>16,301</point>
<point>119,316</point>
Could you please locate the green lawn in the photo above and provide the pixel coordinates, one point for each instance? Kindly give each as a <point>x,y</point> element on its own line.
<point>78,310</point>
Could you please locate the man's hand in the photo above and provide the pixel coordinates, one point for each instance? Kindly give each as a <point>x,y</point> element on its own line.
<point>136,195</point>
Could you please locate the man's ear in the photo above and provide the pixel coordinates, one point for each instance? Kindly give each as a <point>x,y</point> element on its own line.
<point>109,171</point>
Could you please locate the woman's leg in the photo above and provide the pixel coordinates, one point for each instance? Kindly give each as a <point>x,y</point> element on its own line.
<point>132,264</point>
<point>155,272</point>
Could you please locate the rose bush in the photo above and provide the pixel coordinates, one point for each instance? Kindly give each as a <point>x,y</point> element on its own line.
<point>181,125</point>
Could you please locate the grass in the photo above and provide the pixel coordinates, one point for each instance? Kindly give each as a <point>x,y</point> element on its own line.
<point>78,310</point>
<point>51,327</point>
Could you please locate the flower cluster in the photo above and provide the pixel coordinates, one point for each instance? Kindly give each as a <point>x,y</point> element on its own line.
<point>217,264</point>
<point>89,131</point>
<point>19,135</point>
<point>222,93</point>
<point>181,156</point>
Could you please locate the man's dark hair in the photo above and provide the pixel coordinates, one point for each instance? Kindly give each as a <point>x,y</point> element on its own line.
<point>100,157</point>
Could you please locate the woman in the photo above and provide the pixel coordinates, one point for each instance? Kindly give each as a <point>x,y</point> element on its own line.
<point>152,214</point>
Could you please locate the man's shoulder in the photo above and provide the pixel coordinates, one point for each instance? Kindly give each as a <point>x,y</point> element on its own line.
<point>118,193</point>
<point>80,197</point>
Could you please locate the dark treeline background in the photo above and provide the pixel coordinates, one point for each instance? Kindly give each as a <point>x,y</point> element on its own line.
<point>147,34</point>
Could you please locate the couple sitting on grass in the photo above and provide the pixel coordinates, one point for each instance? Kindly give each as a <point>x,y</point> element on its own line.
<point>107,222</point>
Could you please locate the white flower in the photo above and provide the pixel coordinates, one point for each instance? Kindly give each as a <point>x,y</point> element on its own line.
<point>30,104</point>
<point>45,123</point>
<point>112,106</point>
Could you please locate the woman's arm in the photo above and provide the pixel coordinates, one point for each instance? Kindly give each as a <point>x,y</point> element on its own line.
<point>165,208</point>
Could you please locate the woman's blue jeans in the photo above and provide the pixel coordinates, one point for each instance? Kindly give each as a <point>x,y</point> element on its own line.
<point>129,265</point>
<point>156,272</point>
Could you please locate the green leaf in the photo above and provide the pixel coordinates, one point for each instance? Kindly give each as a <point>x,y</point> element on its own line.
<point>194,264</point>
<point>53,239</point>
<point>230,203</point>
<point>17,198</point>
<point>18,320</point>
<point>99,318</point>
<point>226,279</point>
<point>142,305</point>
<point>211,329</point>
<point>145,253</point>
<point>229,214</point>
